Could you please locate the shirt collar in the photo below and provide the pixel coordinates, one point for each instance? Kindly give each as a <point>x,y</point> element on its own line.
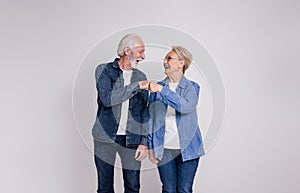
<point>181,84</point>
<point>115,63</point>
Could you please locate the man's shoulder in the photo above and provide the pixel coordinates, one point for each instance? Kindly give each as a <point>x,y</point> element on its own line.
<point>104,68</point>
<point>140,73</point>
<point>104,65</point>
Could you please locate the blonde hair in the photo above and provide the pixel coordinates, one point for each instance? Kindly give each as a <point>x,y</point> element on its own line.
<point>183,54</point>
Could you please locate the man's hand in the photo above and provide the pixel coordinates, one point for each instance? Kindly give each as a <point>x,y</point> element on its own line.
<point>144,84</point>
<point>152,158</point>
<point>141,152</point>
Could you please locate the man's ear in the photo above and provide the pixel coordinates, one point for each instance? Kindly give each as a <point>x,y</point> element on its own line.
<point>127,51</point>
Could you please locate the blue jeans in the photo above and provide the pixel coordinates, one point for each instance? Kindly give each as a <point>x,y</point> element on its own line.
<point>177,176</point>
<point>105,156</point>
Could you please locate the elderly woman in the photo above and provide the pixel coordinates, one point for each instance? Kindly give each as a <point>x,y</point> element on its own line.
<point>174,139</point>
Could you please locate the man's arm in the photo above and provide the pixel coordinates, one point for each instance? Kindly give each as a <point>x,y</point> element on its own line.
<point>110,96</point>
<point>142,150</point>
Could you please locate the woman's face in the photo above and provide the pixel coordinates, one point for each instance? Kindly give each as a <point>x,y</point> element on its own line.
<point>172,64</point>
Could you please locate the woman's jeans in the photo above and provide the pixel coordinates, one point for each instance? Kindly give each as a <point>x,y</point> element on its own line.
<point>105,156</point>
<point>177,176</point>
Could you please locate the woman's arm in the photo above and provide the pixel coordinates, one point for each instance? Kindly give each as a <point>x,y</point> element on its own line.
<point>183,104</point>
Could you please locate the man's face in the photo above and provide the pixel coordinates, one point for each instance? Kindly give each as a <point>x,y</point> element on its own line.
<point>137,54</point>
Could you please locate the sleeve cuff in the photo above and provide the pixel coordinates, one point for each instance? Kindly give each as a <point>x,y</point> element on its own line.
<point>144,141</point>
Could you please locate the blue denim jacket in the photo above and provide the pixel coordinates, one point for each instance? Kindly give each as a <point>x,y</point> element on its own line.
<point>111,94</point>
<point>184,101</point>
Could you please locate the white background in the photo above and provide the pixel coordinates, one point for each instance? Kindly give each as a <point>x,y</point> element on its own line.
<point>254,43</point>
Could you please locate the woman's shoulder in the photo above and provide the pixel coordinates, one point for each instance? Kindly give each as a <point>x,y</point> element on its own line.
<point>194,84</point>
<point>191,83</point>
<point>162,82</point>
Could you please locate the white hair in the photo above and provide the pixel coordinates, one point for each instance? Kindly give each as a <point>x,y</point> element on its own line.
<point>128,41</point>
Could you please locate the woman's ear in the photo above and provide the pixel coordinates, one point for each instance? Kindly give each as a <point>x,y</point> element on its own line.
<point>181,63</point>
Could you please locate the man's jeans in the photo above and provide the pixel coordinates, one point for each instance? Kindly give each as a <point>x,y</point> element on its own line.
<point>177,176</point>
<point>105,156</point>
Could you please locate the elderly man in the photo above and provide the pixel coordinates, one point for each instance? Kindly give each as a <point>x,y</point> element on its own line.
<point>122,116</point>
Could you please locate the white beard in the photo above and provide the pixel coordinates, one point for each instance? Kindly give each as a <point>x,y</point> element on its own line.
<point>132,63</point>
<point>135,66</point>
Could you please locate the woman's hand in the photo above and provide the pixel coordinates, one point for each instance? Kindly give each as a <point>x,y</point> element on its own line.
<point>152,158</point>
<point>154,87</point>
<point>141,152</point>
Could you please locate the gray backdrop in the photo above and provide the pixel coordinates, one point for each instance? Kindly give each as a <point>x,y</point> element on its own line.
<point>254,44</point>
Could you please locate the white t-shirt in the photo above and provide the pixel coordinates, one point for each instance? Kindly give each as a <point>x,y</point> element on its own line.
<point>171,131</point>
<point>125,105</point>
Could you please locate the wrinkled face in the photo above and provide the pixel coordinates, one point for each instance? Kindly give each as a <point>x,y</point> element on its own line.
<point>137,54</point>
<point>172,63</point>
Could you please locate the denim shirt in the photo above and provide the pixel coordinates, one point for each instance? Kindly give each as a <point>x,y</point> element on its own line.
<point>184,101</point>
<point>111,93</point>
